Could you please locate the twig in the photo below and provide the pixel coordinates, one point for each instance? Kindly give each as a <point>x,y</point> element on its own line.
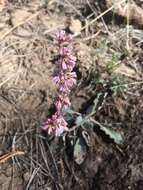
<point>100,16</point>
<point>54,161</point>
<point>6,157</point>
<point>91,37</point>
<point>32,177</point>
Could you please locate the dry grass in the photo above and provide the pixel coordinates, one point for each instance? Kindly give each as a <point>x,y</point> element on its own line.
<point>26,91</point>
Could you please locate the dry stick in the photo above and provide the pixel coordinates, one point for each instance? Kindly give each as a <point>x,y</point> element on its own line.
<point>6,157</point>
<point>19,24</point>
<point>13,150</point>
<point>54,161</point>
<point>32,177</point>
<point>43,154</point>
<point>101,15</point>
<point>92,36</point>
<point>128,31</point>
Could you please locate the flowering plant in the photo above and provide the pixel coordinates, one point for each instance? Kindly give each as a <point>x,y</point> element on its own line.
<point>64,80</point>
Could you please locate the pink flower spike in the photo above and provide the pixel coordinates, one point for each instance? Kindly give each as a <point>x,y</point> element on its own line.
<point>68,62</point>
<point>66,102</point>
<point>64,80</point>
<point>63,102</point>
<point>65,51</point>
<point>64,65</point>
<point>56,80</point>
<point>61,36</point>
<point>56,125</point>
<point>59,105</point>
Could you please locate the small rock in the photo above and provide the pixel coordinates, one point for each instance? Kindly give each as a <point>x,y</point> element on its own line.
<point>26,176</point>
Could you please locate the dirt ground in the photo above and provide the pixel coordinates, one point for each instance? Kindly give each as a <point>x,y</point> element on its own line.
<point>110,59</point>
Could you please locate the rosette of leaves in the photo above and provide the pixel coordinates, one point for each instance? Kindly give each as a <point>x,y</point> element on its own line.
<point>80,147</point>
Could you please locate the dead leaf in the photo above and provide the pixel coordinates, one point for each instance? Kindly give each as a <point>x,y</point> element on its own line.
<point>127,71</point>
<point>75,26</point>
<point>19,16</point>
<point>120,104</point>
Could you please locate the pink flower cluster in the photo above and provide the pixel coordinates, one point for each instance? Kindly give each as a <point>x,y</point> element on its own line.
<point>64,80</point>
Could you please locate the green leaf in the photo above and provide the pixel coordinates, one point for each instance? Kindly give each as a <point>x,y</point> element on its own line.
<point>86,137</point>
<point>80,150</point>
<point>44,3</point>
<point>69,111</point>
<point>79,120</point>
<point>97,104</point>
<point>69,116</point>
<point>99,101</point>
<point>115,136</point>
